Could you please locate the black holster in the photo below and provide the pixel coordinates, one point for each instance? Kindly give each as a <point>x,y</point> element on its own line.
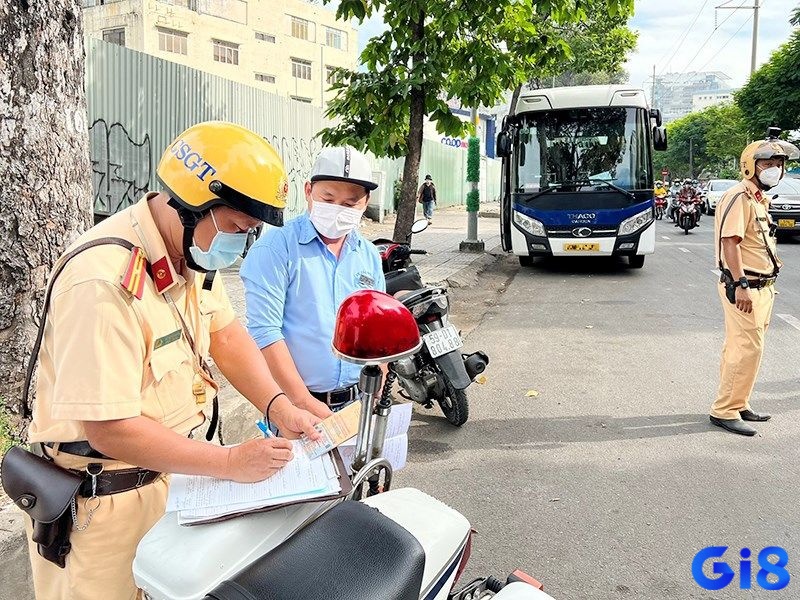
<point>52,539</point>
<point>45,492</point>
<point>726,278</point>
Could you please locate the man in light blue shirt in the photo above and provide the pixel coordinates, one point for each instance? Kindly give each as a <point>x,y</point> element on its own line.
<point>296,277</point>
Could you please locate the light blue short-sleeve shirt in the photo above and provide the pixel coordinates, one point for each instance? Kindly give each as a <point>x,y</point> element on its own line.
<point>294,286</point>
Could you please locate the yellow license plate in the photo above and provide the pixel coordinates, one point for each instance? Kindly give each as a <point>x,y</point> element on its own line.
<point>786,222</point>
<point>581,247</point>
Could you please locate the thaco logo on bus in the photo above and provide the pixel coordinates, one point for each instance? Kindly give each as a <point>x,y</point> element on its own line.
<point>772,574</point>
<point>582,217</point>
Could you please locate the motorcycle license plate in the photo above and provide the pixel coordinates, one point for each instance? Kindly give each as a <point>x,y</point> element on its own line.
<point>581,247</point>
<point>442,341</point>
<point>786,222</point>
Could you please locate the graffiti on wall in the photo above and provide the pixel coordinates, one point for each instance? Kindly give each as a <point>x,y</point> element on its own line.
<point>121,166</point>
<point>298,156</point>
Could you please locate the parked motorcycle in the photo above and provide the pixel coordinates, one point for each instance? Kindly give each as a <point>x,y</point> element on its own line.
<point>688,212</point>
<point>439,372</point>
<point>396,545</point>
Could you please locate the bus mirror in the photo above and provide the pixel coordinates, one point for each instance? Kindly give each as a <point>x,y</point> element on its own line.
<point>660,138</point>
<point>655,113</point>
<point>503,144</point>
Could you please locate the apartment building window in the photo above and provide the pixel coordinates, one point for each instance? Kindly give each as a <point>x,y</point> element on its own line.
<point>172,40</point>
<point>301,28</point>
<point>226,52</point>
<point>335,38</point>
<point>265,78</point>
<point>115,36</point>
<point>301,69</point>
<point>331,76</point>
<point>301,99</point>
<point>265,37</point>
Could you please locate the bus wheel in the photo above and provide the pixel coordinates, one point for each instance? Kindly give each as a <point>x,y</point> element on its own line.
<point>636,262</point>
<point>526,261</point>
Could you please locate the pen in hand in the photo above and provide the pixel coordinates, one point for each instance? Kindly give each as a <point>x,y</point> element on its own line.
<point>264,429</point>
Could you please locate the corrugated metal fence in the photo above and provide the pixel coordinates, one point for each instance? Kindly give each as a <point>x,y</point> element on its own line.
<point>139,103</point>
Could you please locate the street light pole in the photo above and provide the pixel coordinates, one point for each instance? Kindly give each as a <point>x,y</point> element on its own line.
<point>756,6</point>
<point>755,36</point>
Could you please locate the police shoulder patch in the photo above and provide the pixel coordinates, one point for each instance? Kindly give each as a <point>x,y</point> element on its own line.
<point>135,273</point>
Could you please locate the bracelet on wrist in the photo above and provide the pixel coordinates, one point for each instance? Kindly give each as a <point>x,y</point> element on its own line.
<point>269,405</point>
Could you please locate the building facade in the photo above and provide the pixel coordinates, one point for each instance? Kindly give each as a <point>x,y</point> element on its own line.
<point>675,92</point>
<point>708,99</point>
<point>288,47</point>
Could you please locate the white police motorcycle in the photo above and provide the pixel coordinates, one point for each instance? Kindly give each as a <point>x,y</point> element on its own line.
<point>394,545</point>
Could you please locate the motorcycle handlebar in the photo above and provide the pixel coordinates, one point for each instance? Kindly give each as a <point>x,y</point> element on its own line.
<point>417,251</point>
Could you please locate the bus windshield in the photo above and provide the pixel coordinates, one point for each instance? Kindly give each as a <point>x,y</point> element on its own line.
<point>579,148</point>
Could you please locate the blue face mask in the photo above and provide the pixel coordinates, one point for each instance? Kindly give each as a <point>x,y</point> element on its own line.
<point>225,248</point>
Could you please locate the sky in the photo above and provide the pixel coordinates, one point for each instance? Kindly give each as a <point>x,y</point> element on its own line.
<point>662,24</point>
<point>726,48</point>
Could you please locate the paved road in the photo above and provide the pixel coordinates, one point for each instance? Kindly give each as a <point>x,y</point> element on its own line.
<point>606,484</point>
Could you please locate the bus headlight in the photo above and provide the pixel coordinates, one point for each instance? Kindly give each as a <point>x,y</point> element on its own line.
<point>636,222</point>
<point>532,226</point>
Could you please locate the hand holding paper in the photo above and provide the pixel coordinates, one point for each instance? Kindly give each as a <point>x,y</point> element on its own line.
<point>334,430</point>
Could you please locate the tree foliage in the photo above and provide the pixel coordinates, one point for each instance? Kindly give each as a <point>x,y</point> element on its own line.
<point>433,51</point>
<point>599,46</point>
<point>772,95</point>
<point>717,136</point>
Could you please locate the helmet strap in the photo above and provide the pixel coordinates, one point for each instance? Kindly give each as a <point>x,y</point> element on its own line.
<point>189,220</point>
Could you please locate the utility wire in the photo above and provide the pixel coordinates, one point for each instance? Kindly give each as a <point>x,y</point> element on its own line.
<point>708,39</point>
<point>683,37</point>
<point>730,39</point>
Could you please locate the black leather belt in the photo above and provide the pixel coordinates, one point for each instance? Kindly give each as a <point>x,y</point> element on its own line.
<point>108,482</point>
<point>114,482</point>
<point>757,284</point>
<point>337,397</point>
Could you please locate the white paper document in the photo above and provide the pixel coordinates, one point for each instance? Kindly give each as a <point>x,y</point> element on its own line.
<point>198,497</point>
<point>395,446</point>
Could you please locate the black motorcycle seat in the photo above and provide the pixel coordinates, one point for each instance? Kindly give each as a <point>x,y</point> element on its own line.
<point>412,297</point>
<point>352,552</point>
<point>403,280</point>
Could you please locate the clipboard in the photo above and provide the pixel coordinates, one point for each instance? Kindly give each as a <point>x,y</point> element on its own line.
<point>344,482</point>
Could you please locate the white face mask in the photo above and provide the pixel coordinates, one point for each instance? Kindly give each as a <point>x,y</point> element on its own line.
<point>770,177</point>
<point>334,221</point>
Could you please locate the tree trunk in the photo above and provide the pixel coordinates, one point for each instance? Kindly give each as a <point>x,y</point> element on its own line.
<point>45,196</point>
<point>408,194</point>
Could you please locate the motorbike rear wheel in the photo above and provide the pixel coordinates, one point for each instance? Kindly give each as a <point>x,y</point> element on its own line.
<point>454,404</point>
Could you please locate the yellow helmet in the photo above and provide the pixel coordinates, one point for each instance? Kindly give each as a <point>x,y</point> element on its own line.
<point>217,163</point>
<point>763,150</point>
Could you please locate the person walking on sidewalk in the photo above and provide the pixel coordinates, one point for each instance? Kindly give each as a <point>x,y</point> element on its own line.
<point>427,196</point>
<point>295,278</point>
<point>746,252</point>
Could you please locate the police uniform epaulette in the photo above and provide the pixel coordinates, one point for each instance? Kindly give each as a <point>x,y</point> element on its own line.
<point>135,273</point>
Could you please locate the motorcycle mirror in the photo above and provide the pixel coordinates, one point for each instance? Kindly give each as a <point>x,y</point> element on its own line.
<point>419,226</point>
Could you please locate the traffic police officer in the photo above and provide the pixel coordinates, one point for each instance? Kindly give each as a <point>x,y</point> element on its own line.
<point>123,382</point>
<point>746,253</point>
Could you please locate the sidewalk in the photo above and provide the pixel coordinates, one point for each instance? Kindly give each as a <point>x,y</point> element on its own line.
<point>442,238</point>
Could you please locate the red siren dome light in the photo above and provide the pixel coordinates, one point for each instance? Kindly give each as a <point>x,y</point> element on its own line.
<point>373,328</point>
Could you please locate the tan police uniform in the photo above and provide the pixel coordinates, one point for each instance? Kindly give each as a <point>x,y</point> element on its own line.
<point>747,219</point>
<point>114,349</point>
